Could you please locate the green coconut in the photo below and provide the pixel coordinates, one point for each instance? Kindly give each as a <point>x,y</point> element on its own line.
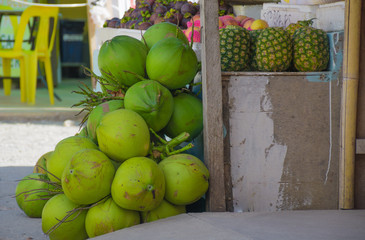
<point>139,184</point>
<point>98,112</point>
<point>152,101</point>
<point>161,31</point>
<point>172,62</point>
<point>88,176</point>
<point>123,134</point>
<point>63,152</point>
<point>165,210</point>
<point>187,116</point>
<point>72,227</point>
<point>120,54</point>
<point>108,217</point>
<point>83,132</point>
<point>41,164</point>
<point>187,178</point>
<point>31,194</point>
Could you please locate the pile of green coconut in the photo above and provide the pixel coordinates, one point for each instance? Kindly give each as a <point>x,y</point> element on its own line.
<point>132,160</point>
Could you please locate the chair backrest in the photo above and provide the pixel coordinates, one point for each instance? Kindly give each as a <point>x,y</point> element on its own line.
<point>44,32</point>
<point>13,19</point>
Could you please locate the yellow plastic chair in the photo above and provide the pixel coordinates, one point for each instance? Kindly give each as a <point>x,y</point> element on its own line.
<point>28,59</point>
<point>14,23</point>
<point>13,19</point>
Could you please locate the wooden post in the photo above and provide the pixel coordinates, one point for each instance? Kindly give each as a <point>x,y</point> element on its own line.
<point>92,43</point>
<point>351,73</point>
<point>212,105</point>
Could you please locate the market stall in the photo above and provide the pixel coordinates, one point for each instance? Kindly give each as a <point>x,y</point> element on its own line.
<point>267,103</point>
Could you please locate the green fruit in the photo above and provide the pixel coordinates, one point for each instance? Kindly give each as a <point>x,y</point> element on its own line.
<point>172,63</point>
<point>161,31</point>
<point>311,49</point>
<point>187,178</point>
<point>83,132</point>
<point>234,48</point>
<point>98,112</point>
<point>63,152</point>
<point>165,210</point>
<point>73,226</point>
<point>187,116</point>
<point>28,196</point>
<point>152,101</point>
<point>274,50</point>
<point>122,53</point>
<point>292,27</point>
<point>123,134</point>
<point>139,184</point>
<point>41,165</point>
<point>88,176</point>
<point>108,217</point>
<point>254,34</point>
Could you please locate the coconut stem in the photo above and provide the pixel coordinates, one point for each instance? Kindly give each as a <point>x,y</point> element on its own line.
<point>78,209</point>
<point>183,149</point>
<point>135,74</point>
<point>161,151</point>
<point>93,99</point>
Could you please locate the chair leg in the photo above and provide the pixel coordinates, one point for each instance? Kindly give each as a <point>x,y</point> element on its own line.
<point>49,78</point>
<point>22,81</point>
<point>7,72</point>
<point>31,76</point>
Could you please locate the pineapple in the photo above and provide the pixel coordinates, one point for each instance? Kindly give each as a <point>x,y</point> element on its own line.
<point>234,48</point>
<point>253,39</point>
<point>311,49</point>
<point>291,28</point>
<point>274,50</point>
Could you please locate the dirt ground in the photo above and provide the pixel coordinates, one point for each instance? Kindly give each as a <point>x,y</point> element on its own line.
<point>21,144</point>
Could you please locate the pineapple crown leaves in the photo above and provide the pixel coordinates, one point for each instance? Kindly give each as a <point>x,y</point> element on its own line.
<point>306,23</point>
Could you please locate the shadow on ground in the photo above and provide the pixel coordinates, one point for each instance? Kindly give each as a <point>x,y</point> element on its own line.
<point>14,224</point>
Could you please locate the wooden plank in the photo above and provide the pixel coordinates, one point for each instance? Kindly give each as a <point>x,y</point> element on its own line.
<point>360,182</point>
<point>360,125</point>
<point>92,42</point>
<point>227,148</point>
<point>212,106</point>
<point>360,146</point>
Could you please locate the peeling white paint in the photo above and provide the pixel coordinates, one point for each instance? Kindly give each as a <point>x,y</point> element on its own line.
<point>256,159</point>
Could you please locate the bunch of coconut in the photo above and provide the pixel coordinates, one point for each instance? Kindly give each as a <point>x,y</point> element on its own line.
<point>130,162</point>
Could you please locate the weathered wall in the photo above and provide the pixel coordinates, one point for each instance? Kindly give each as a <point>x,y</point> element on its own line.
<point>284,138</point>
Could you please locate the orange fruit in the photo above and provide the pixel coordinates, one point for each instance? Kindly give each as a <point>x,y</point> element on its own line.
<point>259,24</point>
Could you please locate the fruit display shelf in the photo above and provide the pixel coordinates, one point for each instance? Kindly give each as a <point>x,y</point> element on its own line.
<point>284,127</point>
